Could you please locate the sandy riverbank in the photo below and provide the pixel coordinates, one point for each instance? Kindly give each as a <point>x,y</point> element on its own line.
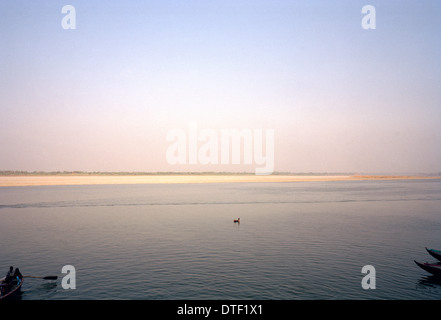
<point>46,180</point>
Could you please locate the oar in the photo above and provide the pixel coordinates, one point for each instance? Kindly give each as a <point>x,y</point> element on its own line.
<point>44,278</point>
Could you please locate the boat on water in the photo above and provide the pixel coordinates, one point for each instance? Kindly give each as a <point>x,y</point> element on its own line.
<point>433,268</point>
<point>435,253</point>
<point>9,291</point>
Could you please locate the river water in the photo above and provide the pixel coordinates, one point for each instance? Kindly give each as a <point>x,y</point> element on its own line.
<point>295,241</point>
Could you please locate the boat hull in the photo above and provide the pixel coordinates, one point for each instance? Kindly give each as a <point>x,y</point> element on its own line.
<point>432,268</point>
<point>435,253</point>
<point>12,292</point>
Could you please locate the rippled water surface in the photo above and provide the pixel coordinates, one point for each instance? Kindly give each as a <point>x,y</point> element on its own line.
<point>304,240</point>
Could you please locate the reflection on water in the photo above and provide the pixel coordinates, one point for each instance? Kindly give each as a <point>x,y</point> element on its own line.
<point>16,296</point>
<point>39,288</point>
<point>49,286</point>
<point>430,281</point>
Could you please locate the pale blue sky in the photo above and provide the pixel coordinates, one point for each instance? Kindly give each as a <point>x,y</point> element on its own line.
<point>102,97</point>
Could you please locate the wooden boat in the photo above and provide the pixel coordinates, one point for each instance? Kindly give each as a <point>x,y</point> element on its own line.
<point>433,268</point>
<point>9,293</point>
<point>435,253</point>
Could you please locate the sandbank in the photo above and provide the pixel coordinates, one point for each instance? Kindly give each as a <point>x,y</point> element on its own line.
<point>53,180</point>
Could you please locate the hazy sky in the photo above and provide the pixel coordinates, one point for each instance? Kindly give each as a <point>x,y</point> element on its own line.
<point>103,97</point>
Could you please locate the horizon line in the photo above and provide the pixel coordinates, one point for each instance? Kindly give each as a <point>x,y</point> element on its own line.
<point>134,173</point>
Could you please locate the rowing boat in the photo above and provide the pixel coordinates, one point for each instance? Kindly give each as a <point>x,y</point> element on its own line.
<point>6,292</point>
<point>435,253</point>
<point>433,268</point>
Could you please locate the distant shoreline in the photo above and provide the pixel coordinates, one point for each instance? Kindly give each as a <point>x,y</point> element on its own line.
<point>160,173</point>
<point>103,179</point>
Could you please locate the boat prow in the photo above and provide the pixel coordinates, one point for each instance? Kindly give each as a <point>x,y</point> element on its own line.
<point>432,268</point>
<point>434,253</point>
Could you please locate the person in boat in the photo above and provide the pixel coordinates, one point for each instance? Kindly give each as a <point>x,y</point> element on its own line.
<point>9,275</point>
<point>7,282</point>
<point>17,276</point>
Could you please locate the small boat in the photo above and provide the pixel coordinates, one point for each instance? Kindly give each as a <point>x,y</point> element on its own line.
<point>11,291</point>
<point>237,220</point>
<point>433,268</point>
<point>435,253</point>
